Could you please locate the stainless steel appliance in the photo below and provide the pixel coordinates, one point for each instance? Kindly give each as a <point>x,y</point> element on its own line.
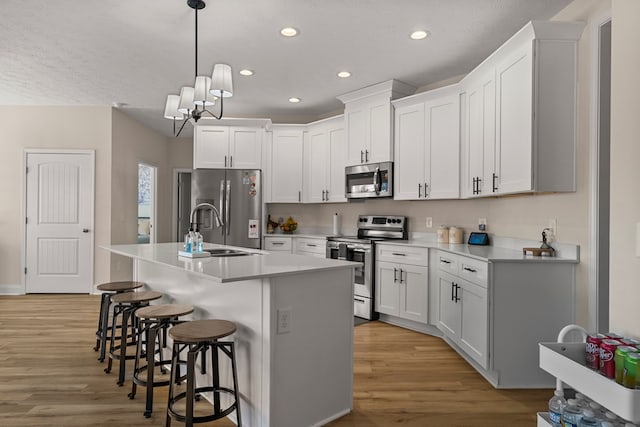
<point>361,248</point>
<point>371,180</point>
<point>237,194</point>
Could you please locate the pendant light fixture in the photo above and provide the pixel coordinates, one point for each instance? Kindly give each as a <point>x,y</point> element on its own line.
<point>192,102</point>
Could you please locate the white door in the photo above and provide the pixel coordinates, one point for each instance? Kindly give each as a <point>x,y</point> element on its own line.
<point>318,165</point>
<point>59,229</point>
<point>409,154</point>
<point>337,160</point>
<point>442,162</point>
<point>245,148</point>
<point>211,147</point>
<point>387,292</point>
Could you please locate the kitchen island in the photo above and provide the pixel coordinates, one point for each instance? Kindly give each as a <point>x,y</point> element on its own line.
<point>294,318</point>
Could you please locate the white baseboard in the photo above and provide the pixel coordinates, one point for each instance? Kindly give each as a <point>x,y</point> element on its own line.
<point>11,289</point>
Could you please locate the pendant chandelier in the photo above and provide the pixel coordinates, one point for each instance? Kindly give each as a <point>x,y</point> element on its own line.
<point>192,102</point>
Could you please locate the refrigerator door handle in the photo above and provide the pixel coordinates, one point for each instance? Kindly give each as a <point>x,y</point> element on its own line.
<point>227,208</point>
<point>221,207</point>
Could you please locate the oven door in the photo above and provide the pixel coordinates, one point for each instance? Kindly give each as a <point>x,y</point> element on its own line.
<point>357,252</point>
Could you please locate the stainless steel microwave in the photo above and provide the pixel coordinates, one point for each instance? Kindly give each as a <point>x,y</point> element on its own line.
<point>371,180</point>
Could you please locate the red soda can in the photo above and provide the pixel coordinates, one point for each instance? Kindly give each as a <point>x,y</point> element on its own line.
<point>593,350</point>
<point>607,352</point>
<point>614,336</point>
<point>629,341</point>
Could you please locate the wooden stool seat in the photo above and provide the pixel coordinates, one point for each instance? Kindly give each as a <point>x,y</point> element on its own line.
<point>135,297</point>
<point>119,286</point>
<point>163,311</point>
<point>198,331</point>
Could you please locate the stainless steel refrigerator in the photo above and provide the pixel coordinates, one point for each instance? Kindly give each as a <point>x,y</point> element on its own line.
<point>237,194</point>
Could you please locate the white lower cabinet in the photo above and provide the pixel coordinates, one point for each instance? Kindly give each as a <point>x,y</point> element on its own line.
<point>463,315</point>
<point>278,244</point>
<point>310,246</point>
<point>402,282</point>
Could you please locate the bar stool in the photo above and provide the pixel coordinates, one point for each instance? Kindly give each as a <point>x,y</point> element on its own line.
<point>125,304</point>
<point>196,336</point>
<point>108,290</point>
<point>153,322</point>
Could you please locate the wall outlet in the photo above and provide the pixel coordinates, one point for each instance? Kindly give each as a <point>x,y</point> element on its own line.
<point>284,320</point>
<point>429,222</point>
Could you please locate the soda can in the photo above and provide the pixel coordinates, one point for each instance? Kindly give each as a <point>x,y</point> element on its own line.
<point>614,336</point>
<point>607,351</point>
<point>630,372</point>
<point>593,350</point>
<point>629,341</point>
<point>618,359</point>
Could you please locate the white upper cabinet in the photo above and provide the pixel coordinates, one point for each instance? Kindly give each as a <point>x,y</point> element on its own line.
<point>427,145</point>
<point>520,107</point>
<point>325,159</point>
<point>286,164</point>
<point>478,117</point>
<point>235,147</point>
<point>368,116</point>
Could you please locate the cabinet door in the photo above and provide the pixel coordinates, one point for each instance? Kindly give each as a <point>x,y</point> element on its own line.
<point>210,147</point>
<point>387,291</point>
<point>317,165</point>
<point>449,309</point>
<point>442,158</point>
<point>286,166</point>
<point>414,288</point>
<point>338,161</point>
<point>245,148</point>
<point>514,89</point>
<point>355,120</point>
<point>409,152</point>
<point>474,323</point>
<point>379,139</point>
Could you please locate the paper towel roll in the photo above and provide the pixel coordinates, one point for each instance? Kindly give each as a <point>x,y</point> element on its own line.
<point>336,224</point>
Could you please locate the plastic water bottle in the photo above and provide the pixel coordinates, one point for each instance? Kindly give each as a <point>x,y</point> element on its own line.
<point>556,405</point>
<point>572,414</point>
<point>589,419</point>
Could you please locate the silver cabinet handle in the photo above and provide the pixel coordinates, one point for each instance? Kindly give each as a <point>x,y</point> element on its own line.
<point>398,254</point>
<point>426,193</point>
<point>395,273</point>
<point>495,178</point>
<point>361,156</point>
<point>470,269</point>
<point>277,243</point>
<point>326,192</point>
<point>225,161</point>
<point>299,196</point>
<point>230,161</point>
<point>366,155</point>
<point>457,298</point>
<point>311,245</point>
<point>419,190</point>
<point>401,271</point>
<point>445,261</point>
<point>452,292</point>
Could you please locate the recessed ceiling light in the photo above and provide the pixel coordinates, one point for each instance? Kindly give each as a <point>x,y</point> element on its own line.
<point>419,35</point>
<point>294,100</point>
<point>344,74</point>
<point>246,72</point>
<point>289,32</point>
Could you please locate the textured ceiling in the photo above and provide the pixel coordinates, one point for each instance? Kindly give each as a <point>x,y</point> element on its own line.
<point>135,52</point>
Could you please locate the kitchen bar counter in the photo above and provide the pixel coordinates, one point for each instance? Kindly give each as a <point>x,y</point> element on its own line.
<point>294,318</point>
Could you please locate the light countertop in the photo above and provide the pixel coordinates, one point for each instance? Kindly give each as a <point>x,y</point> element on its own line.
<point>229,269</point>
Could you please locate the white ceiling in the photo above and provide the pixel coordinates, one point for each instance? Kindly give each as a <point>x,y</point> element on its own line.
<point>135,52</point>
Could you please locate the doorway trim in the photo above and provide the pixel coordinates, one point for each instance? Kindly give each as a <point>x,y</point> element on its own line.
<point>23,210</point>
<point>598,313</point>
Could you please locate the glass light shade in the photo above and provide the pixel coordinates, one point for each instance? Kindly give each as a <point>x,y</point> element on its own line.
<point>201,95</point>
<point>186,100</point>
<point>221,82</point>
<point>171,108</point>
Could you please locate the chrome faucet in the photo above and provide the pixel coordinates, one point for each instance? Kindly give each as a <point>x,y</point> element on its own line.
<point>218,221</point>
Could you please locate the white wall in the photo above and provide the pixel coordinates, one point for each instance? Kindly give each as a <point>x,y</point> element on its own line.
<point>522,216</point>
<point>49,127</point>
<point>625,172</point>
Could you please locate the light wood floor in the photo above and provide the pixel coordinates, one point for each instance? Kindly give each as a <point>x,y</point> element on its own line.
<point>50,376</point>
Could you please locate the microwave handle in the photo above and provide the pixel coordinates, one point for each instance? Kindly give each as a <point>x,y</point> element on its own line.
<point>376,180</point>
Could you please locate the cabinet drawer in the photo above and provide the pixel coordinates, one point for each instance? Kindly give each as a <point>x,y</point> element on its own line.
<point>403,254</point>
<point>306,245</point>
<point>277,244</point>
<point>448,262</point>
<point>473,270</point>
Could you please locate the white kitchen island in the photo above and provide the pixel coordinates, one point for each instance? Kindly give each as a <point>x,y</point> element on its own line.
<point>298,373</point>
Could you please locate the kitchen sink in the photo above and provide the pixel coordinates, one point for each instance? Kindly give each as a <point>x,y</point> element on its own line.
<point>227,252</point>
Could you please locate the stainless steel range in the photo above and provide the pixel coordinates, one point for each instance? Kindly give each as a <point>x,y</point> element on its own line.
<point>361,248</point>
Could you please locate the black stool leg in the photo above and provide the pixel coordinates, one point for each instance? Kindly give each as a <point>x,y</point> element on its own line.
<point>123,344</point>
<point>152,333</point>
<point>173,379</point>
<point>235,382</point>
<point>191,364</point>
<point>215,375</point>
<point>104,325</point>
<point>112,338</point>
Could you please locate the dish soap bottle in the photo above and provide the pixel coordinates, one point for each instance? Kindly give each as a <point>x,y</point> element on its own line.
<point>188,241</point>
<point>198,241</point>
